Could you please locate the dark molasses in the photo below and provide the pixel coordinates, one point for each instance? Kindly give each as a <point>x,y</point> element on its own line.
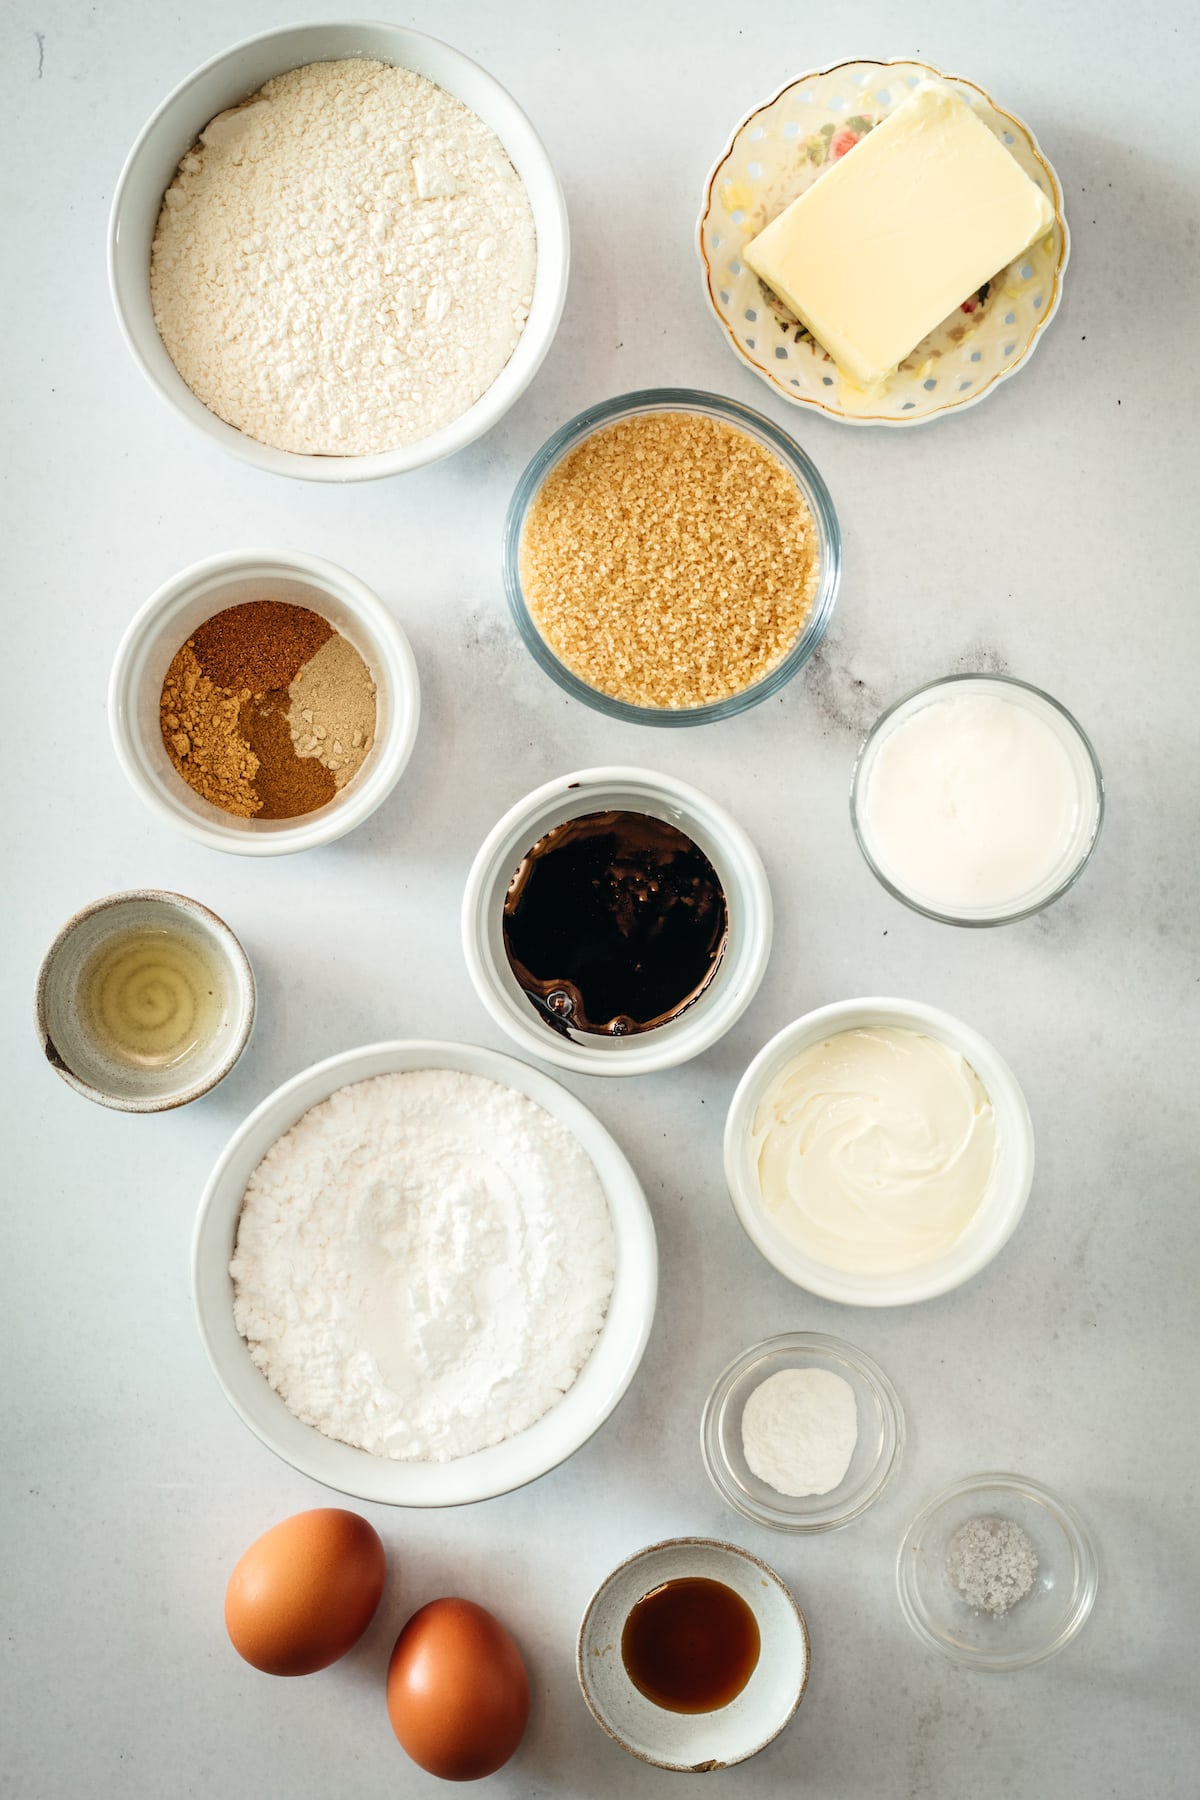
<point>614,923</point>
<point>690,1645</point>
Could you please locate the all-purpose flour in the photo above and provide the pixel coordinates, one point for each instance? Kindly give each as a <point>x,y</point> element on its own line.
<point>345,263</point>
<point>423,1264</point>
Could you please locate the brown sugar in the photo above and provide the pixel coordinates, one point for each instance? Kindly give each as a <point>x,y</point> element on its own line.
<point>670,560</point>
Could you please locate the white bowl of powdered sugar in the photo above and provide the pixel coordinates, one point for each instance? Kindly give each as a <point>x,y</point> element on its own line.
<point>424,1273</point>
<point>339,250</point>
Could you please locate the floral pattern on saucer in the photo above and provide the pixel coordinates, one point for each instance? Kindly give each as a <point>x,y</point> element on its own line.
<point>776,153</point>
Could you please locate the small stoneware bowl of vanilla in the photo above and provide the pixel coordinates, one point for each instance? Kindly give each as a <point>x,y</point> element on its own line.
<point>145,1000</point>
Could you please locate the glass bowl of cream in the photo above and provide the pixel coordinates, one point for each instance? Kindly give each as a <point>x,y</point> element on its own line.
<point>879,1152</point>
<point>977,800</point>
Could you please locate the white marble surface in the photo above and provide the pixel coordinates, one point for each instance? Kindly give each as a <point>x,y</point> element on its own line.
<point>1052,531</point>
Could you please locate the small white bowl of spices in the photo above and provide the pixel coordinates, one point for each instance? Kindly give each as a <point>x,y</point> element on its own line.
<point>671,557</point>
<point>616,922</point>
<point>263,702</point>
<point>145,1001</point>
<point>997,1572</point>
<point>261,217</point>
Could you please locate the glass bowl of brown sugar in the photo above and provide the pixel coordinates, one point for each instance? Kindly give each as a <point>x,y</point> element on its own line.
<point>264,702</point>
<point>671,557</point>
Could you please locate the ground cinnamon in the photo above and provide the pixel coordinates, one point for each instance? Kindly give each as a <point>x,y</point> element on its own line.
<point>261,645</point>
<point>224,711</point>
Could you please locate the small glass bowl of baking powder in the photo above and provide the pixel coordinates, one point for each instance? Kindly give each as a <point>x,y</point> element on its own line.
<point>1057,1601</point>
<point>873,1461</point>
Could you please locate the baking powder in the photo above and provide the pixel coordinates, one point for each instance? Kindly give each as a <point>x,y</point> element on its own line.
<point>423,1264</point>
<point>799,1429</point>
<point>343,264</point>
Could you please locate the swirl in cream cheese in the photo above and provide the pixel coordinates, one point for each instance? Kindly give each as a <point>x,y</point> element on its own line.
<point>875,1149</point>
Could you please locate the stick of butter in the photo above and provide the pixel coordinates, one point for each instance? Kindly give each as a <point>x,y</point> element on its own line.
<point>911,222</point>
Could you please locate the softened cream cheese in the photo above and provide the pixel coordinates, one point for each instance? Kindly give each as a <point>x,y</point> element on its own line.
<point>875,1149</point>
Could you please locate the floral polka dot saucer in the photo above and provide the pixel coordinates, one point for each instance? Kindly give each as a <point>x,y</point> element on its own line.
<point>783,146</point>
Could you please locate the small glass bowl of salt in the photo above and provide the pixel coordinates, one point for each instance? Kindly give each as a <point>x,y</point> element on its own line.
<point>802,1432</point>
<point>997,1572</point>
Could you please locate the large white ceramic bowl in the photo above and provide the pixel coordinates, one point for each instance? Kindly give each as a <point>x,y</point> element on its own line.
<point>994,1222</point>
<point>747,897</point>
<point>582,1410</point>
<point>167,620</point>
<point>232,77</point>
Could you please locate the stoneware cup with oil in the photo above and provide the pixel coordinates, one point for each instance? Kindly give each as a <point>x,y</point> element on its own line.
<point>145,1000</point>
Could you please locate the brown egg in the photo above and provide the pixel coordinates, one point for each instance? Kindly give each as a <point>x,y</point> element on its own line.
<point>305,1591</point>
<point>457,1691</point>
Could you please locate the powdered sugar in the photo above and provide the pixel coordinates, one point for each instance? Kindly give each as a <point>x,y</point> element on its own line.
<point>423,1264</point>
<point>345,263</point>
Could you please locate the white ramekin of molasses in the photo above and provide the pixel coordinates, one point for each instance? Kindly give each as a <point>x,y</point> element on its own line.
<point>738,962</point>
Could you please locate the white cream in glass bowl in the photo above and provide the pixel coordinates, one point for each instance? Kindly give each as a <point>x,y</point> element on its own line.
<point>977,800</point>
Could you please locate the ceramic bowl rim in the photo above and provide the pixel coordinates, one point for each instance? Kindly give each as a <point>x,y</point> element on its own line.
<point>1004,1206</point>
<point>982,921</point>
<point>799,465</point>
<point>726,1548</point>
<point>1074,1529</point>
<point>355,803</point>
<point>635,1278</point>
<point>887,1464</point>
<point>243,976</point>
<point>638,1055</point>
<point>550,224</point>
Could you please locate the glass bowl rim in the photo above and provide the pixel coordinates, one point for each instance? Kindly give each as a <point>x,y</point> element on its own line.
<point>675,399</point>
<point>986,920</point>
<point>1083,1551</point>
<point>887,1462</point>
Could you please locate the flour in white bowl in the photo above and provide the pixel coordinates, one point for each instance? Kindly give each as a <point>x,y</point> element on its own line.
<point>423,1264</point>
<point>344,263</point>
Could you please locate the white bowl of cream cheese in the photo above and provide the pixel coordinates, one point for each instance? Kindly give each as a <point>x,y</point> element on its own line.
<point>879,1152</point>
<point>428,1283</point>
